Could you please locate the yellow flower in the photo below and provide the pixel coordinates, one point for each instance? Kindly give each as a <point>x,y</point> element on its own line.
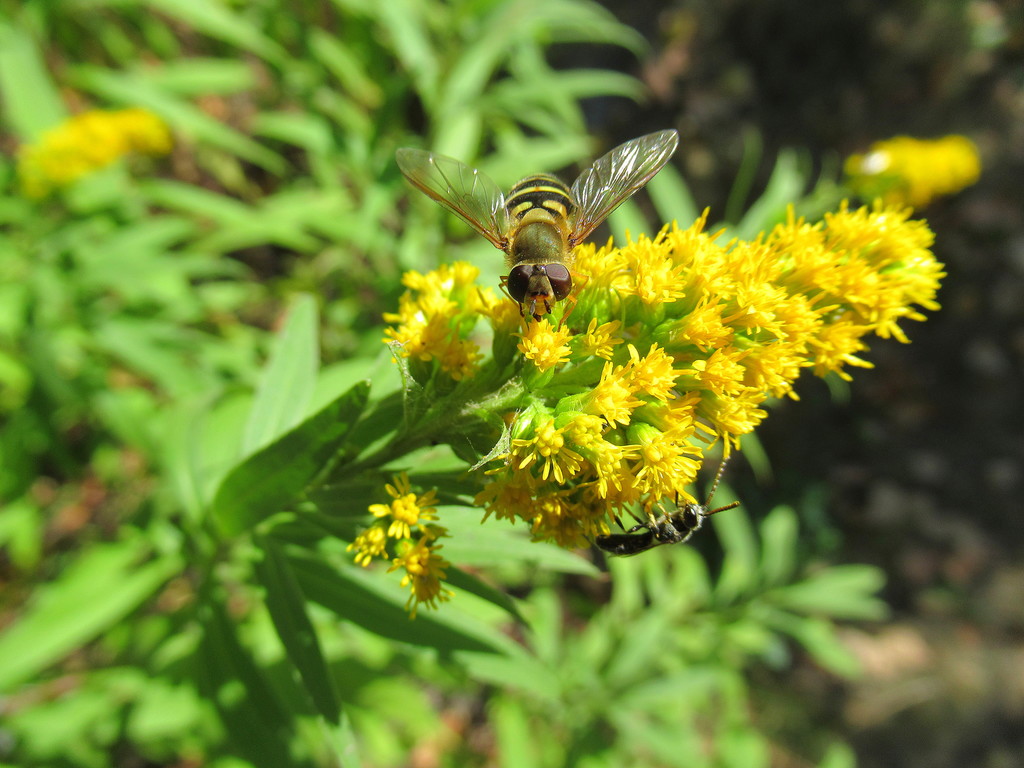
<point>434,317</point>
<point>680,340</point>
<point>600,340</point>
<point>86,143</point>
<point>613,398</point>
<point>559,461</point>
<point>369,544</point>
<point>406,510</point>
<point>909,171</point>
<point>424,574</point>
<point>653,375</point>
<point>666,462</point>
<point>545,346</point>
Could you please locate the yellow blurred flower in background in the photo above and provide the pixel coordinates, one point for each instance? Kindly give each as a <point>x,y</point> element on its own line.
<point>86,143</point>
<point>908,171</point>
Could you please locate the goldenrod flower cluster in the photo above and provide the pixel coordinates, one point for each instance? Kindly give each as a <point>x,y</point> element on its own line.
<point>674,345</point>
<point>86,143</point>
<point>434,317</point>
<point>909,171</point>
<point>407,522</point>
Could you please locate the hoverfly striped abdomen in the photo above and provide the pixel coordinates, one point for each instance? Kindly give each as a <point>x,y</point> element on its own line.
<point>540,191</point>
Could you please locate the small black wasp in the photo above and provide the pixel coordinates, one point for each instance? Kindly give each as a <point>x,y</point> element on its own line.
<point>672,527</point>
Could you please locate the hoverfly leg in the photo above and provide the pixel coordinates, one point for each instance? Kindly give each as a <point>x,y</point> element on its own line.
<point>579,282</point>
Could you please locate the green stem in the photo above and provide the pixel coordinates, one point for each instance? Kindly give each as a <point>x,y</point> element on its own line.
<point>449,417</point>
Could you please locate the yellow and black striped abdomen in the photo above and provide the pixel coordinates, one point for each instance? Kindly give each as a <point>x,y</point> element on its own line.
<point>539,191</point>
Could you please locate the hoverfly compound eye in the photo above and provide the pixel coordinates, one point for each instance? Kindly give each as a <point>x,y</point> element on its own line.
<point>560,279</point>
<point>519,282</point>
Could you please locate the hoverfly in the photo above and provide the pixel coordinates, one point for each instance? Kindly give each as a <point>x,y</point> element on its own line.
<point>668,528</point>
<point>542,220</point>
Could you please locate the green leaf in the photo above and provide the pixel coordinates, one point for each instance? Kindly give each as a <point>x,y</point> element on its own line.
<point>31,101</point>
<point>474,543</point>
<point>308,131</point>
<point>98,589</point>
<point>742,747</point>
<point>287,383</point>
<point>347,67</point>
<point>256,720</point>
<point>739,569</point>
<point>193,77</point>
<point>839,591</point>
<point>406,30</point>
<point>216,19</point>
<point>818,637</point>
<point>275,477</point>
<point>628,222</point>
<point>838,755</point>
<point>778,546</point>
<point>375,602</point>
<point>133,88</point>
<point>515,733</point>
<point>470,583</point>
<point>287,607</point>
<point>786,184</point>
<point>672,198</point>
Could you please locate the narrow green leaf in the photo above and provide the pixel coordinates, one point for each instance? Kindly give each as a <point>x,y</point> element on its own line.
<point>786,185</point>
<point>516,734</point>
<point>99,588</point>
<point>275,477</point>
<point>287,607</point>
<point>743,747</point>
<point>628,222</point>
<point>470,583</point>
<point>30,99</point>
<point>403,23</point>
<point>255,719</point>
<point>194,77</point>
<point>216,19</point>
<point>672,198</point>
<point>302,129</point>
<point>739,569</point>
<point>839,591</point>
<point>753,148</point>
<point>778,546</point>
<point>289,378</point>
<point>818,637</point>
<point>347,67</point>
<point>375,602</point>
<point>135,89</point>
<point>476,543</point>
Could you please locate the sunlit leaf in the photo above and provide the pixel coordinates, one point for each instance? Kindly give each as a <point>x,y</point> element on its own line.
<point>288,381</point>
<point>256,720</point>
<point>275,477</point>
<point>287,606</point>
<point>31,101</point>
<point>378,605</point>
<point>99,588</point>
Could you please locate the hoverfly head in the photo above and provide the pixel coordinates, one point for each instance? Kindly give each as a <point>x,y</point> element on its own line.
<point>538,286</point>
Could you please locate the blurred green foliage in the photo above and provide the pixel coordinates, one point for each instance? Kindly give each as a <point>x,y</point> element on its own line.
<point>176,585</point>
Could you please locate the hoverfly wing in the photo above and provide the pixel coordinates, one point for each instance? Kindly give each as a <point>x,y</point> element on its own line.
<point>464,191</point>
<point>611,179</point>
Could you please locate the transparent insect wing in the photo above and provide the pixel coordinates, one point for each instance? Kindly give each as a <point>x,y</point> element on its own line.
<point>464,191</point>
<point>608,182</point>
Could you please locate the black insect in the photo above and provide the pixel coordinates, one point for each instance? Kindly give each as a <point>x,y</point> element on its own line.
<point>672,527</point>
